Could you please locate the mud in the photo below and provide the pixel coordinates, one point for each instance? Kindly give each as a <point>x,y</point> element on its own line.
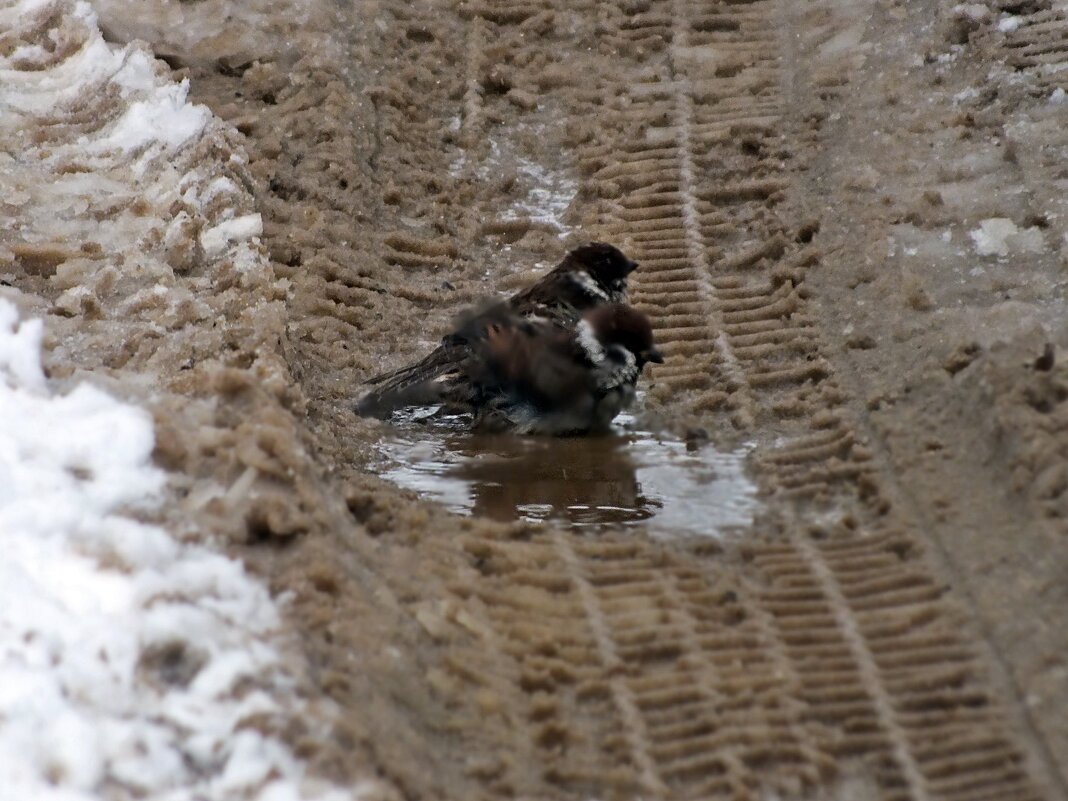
<point>810,190</point>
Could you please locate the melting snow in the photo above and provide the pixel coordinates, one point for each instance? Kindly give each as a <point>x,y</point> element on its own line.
<point>547,199</point>
<point>127,659</point>
<point>542,194</point>
<point>165,118</point>
<point>88,594</point>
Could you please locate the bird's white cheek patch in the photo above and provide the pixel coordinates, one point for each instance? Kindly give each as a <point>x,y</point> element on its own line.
<point>590,286</point>
<point>588,341</point>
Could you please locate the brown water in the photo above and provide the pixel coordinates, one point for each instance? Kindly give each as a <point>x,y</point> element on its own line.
<point>629,477</point>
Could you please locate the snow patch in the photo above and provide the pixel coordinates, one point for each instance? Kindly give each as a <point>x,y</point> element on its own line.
<point>991,235</point>
<point>547,199</point>
<point>1000,236</point>
<point>130,664</point>
<point>541,195</point>
<point>157,118</point>
<point>1008,24</point>
<point>163,118</point>
<point>215,240</point>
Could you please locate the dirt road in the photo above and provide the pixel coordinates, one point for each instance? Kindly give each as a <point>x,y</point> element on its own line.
<point>850,222</point>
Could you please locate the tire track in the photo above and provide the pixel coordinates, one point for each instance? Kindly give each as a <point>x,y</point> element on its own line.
<point>631,663</point>
<point>861,658</point>
<point>872,692</point>
<point>627,703</point>
<point>646,673</point>
<point>618,667</point>
<point>1037,43</point>
<point>471,126</point>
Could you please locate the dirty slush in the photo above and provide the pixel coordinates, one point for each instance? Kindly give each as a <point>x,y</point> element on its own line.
<point>851,228</point>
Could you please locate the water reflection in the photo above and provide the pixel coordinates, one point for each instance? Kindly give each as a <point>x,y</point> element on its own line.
<point>626,478</point>
<point>582,480</point>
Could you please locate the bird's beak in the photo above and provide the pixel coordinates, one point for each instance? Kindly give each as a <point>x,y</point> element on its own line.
<point>653,355</point>
<point>632,267</point>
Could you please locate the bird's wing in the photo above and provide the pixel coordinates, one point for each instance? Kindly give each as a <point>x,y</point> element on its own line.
<point>551,289</point>
<point>439,376</point>
<point>528,363</point>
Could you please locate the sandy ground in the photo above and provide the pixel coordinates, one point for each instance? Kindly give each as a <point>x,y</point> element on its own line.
<point>851,224</point>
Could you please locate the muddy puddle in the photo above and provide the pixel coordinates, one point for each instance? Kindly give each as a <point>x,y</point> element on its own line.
<point>629,477</point>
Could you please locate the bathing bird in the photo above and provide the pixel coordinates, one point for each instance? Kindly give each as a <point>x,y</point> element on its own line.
<point>534,375</point>
<point>588,276</point>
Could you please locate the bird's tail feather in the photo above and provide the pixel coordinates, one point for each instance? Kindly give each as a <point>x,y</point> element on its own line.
<point>382,402</point>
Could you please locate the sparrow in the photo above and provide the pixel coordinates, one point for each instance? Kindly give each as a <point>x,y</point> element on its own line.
<point>587,277</point>
<point>532,375</point>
